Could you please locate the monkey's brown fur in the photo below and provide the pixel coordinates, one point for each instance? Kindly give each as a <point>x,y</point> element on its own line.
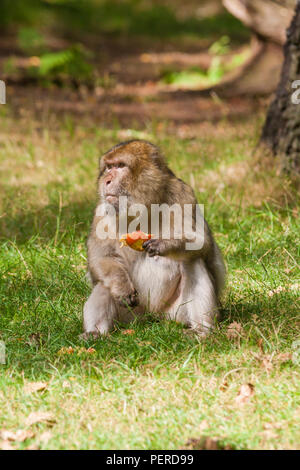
<point>137,169</point>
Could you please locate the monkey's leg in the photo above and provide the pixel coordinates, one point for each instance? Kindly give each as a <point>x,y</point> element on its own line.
<point>99,311</point>
<point>197,304</point>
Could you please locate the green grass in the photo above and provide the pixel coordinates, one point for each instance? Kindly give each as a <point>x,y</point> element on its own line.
<point>195,77</point>
<point>37,27</point>
<point>158,387</point>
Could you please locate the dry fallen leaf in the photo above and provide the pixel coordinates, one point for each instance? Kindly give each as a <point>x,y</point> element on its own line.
<point>128,332</point>
<point>19,436</point>
<point>7,435</point>
<point>65,350</point>
<point>245,392</point>
<point>272,425</point>
<point>79,351</point>
<point>6,445</point>
<point>40,417</point>
<point>266,363</point>
<point>45,437</point>
<point>83,350</point>
<point>91,350</point>
<point>276,291</point>
<point>224,386</point>
<point>205,443</point>
<point>269,360</point>
<point>260,345</point>
<point>143,343</point>
<point>33,339</point>
<point>89,427</point>
<point>284,357</point>
<point>203,425</point>
<point>31,387</point>
<point>234,331</point>
<point>269,434</point>
<point>33,447</point>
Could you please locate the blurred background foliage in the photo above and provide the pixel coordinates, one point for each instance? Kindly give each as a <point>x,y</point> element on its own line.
<point>138,17</point>
<point>61,37</point>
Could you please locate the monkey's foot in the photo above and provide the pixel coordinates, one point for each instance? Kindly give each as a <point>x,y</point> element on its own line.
<point>130,300</point>
<point>89,335</point>
<point>194,333</point>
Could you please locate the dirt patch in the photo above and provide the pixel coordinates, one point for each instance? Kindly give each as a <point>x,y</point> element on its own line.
<point>128,106</point>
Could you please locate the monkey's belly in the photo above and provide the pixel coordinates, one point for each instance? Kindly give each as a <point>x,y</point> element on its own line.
<point>156,280</point>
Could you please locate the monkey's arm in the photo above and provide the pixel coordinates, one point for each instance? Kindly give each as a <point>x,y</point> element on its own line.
<point>195,238</point>
<point>107,267</point>
<point>193,245</point>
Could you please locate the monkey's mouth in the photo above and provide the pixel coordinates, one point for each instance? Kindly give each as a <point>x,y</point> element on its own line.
<point>111,198</point>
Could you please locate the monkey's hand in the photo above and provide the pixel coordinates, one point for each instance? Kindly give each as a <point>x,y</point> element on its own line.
<point>115,277</point>
<point>171,248</point>
<point>155,247</point>
<point>129,299</point>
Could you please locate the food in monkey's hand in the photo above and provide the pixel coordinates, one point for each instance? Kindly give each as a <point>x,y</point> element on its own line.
<point>135,240</point>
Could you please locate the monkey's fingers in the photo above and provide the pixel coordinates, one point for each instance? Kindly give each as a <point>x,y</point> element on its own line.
<point>131,300</point>
<point>152,247</point>
<point>146,243</point>
<point>135,240</point>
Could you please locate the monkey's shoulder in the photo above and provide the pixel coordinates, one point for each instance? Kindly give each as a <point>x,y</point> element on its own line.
<point>181,192</point>
<point>99,247</point>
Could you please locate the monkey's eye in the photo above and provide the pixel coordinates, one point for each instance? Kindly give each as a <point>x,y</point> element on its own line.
<point>120,165</point>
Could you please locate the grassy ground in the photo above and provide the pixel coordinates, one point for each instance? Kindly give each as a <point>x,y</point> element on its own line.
<point>154,386</point>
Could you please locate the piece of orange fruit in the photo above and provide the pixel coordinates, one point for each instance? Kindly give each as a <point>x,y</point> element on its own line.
<point>135,240</point>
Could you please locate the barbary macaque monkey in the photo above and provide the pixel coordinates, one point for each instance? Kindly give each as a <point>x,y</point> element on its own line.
<point>166,277</point>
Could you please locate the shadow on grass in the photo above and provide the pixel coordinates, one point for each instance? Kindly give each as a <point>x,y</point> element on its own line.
<point>49,309</point>
<point>43,295</point>
<point>21,222</point>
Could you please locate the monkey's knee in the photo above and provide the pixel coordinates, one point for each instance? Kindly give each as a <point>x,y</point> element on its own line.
<point>202,310</point>
<point>203,324</point>
<point>98,312</point>
<point>203,313</point>
<point>96,321</point>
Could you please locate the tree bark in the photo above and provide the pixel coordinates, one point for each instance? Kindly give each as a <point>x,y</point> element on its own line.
<point>268,21</point>
<point>267,18</point>
<point>281,131</point>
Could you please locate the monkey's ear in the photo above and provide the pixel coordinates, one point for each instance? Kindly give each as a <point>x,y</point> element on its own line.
<point>101,165</point>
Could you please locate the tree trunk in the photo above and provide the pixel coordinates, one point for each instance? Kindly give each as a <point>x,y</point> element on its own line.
<point>267,18</point>
<point>281,131</point>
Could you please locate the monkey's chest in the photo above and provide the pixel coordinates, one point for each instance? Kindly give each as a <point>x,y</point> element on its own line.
<point>156,280</point>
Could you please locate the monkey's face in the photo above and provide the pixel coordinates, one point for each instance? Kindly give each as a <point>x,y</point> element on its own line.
<point>129,171</point>
<point>114,176</point>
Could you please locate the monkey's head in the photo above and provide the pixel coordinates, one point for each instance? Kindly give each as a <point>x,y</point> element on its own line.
<point>135,169</point>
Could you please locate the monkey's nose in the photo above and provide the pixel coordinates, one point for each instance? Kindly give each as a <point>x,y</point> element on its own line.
<point>108,182</point>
